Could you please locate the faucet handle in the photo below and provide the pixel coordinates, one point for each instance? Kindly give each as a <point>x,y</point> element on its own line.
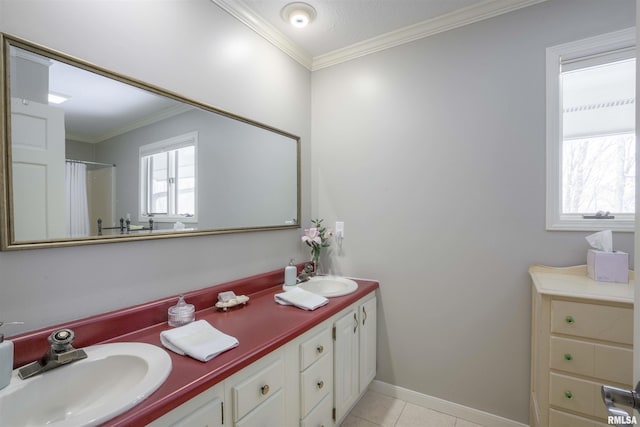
<point>61,340</point>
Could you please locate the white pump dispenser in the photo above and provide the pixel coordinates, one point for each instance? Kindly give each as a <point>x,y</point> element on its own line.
<point>6,358</point>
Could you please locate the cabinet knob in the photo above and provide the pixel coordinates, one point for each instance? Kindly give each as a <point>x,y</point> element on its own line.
<point>264,389</point>
<point>568,357</point>
<point>320,349</point>
<point>568,394</point>
<point>320,384</point>
<point>569,320</point>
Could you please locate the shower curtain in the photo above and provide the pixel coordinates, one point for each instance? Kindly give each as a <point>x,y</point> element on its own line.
<point>77,207</point>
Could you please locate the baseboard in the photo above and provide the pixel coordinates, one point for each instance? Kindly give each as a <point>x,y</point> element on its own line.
<point>440,405</point>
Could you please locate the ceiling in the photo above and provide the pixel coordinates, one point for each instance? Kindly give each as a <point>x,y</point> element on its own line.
<point>345,29</point>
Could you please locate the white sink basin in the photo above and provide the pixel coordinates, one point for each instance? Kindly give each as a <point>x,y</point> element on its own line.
<point>329,286</point>
<point>112,379</point>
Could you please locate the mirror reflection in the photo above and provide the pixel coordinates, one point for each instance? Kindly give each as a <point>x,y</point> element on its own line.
<point>95,156</point>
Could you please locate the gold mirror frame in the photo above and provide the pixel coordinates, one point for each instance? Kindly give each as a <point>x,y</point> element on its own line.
<point>7,235</point>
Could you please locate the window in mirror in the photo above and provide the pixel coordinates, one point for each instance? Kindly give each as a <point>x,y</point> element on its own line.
<point>168,179</point>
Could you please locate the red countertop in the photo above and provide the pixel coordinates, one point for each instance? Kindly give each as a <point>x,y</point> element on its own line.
<point>261,327</point>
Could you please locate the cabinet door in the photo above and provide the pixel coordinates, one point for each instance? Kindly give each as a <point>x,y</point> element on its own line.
<point>346,388</point>
<point>368,322</point>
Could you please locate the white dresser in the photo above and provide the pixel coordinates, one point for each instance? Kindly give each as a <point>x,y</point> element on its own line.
<point>581,338</point>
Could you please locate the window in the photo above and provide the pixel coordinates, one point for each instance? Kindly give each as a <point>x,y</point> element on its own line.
<point>168,179</point>
<point>591,133</point>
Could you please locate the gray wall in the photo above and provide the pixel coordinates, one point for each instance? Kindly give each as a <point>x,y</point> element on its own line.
<point>433,153</point>
<point>190,47</point>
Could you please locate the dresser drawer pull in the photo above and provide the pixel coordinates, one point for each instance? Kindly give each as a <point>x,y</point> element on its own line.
<point>570,320</point>
<point>320,384</point>
<point>264,389</point>
<point>568,357</point>
<point>320,349</point>
<point>568,394</point>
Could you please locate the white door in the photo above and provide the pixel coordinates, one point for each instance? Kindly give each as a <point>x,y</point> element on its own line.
<point>38,171</point>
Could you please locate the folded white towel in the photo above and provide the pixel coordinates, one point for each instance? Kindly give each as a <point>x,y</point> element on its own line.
<point>300,298</point>
<point>198,339</point>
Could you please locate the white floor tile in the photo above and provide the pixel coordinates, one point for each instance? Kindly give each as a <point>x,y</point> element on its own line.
<point>379,409</point>
<point>465,423</point>
<point>417,416</point>
<point>353,421</point>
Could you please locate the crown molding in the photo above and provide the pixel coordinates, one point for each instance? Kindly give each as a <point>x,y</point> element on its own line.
<point>248,17</point>
<point>459,18</point>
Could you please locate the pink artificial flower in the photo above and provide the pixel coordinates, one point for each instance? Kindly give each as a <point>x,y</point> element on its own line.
<point>311,235</point>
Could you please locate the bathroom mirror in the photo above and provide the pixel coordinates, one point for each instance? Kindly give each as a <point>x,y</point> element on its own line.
<point>89,156</point>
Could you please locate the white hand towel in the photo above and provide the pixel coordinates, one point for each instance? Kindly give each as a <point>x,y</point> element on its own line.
<point>300,298</point>
<point>198,339</point>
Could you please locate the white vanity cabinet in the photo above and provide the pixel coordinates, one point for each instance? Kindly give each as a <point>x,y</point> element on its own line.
<point>204,410</point>
<point>582,338</point>
<point>316,378</point>
<point>255,394</point>
<point>312,381</point>
<point>354,354</point>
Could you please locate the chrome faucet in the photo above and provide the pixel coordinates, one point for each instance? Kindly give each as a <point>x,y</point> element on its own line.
<point>305,274</point>
<point>60,353</point>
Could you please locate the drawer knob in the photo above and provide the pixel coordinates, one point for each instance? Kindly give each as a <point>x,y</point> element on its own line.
<point>570,320</point>
<point>320,384</point>
<point>568,394</point>
<point>264,389</point>
<point>320,349</point>
<point>568,357</point>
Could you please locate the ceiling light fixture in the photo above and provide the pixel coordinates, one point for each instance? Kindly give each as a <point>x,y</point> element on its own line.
<point>298,14</point>
<point>57,98</point>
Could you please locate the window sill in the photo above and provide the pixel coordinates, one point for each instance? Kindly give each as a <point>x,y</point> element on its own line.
<point>579,224</point>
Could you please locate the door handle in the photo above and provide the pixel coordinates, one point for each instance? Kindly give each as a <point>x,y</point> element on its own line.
<point>613,395</point>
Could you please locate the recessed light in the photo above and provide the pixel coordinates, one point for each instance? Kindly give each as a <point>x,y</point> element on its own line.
<point>57,98</point>
<point>298,14</point>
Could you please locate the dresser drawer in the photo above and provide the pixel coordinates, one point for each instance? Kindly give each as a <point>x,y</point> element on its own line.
<point>595,321</point>
<point>256,389</point>
<point>576,395</point>
<point>320,416</point>
<point>562,419</point>
<point>315,383</point>
<point>609,363</point>
<point>314,348</point>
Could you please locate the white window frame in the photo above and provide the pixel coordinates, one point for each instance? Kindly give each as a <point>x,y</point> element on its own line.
<point>180,141</point>
<point>555,220</point>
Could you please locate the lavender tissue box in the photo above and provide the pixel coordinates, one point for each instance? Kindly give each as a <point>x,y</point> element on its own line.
<point>608,266</point>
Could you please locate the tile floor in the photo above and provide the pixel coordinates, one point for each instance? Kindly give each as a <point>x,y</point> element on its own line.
<point>375,409</point>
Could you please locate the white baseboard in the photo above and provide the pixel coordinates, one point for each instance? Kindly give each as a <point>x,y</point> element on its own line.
<point>440,405</point>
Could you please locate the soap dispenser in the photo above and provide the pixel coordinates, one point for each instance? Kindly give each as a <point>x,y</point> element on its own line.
<point>6,358</point>
<point>290,272</point>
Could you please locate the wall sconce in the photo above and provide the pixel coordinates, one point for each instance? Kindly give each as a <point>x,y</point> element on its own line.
<point>298,14</point>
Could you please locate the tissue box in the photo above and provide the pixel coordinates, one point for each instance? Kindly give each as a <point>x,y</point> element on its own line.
<point>608,266</point>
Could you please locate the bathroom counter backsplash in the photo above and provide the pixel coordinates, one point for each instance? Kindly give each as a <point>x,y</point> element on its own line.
<point>261,327</point>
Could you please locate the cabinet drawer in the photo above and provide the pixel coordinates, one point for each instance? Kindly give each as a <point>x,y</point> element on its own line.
<point>562,419</point>
<point>600,322</point>
<point>609,363</point>
<point>320,416</point>
<point>256,389</point>
<point>314,348</point>
<point>576,395</point>
<point>315,383</point>
<point>270,413</point>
